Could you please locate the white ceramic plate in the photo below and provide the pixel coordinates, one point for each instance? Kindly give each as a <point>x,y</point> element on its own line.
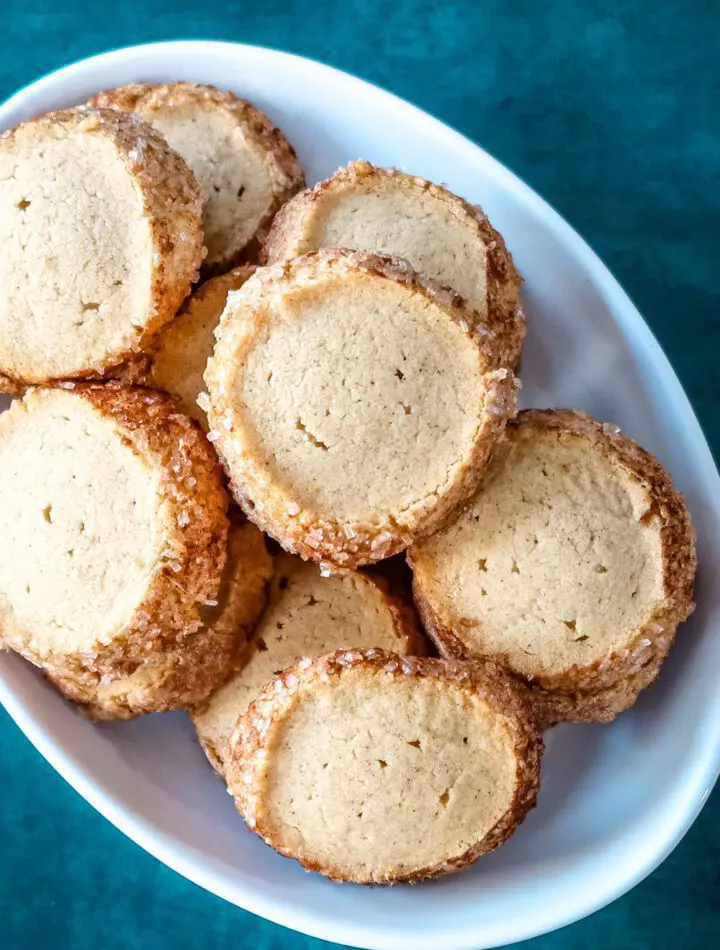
<point>615,799</point>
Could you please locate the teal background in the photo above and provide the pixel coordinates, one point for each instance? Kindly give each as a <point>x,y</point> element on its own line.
<point>612,112</point>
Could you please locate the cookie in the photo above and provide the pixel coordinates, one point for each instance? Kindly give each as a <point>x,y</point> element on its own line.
<point>176,360</point>
<point>113,529</point>
<point>354,404</point>
<point>573,564</point>
<point>375,768</point>
<point>100,228</point>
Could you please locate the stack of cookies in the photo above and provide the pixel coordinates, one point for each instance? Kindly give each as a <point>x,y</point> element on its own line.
<point>211,490</point>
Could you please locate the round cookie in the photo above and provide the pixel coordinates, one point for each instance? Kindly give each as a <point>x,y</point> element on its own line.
<point>374,768</point>
<point>388,212</point>
<point>100,228</point>
<point>115,546</point>
<point>245,165</point>
<point>307,614</point>
<point>354,404</point>
<point>573,564</point>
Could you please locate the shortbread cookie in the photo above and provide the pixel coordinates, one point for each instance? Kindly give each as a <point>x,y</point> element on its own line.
<point>375,768</point>
<point>183,673</point>
<point>573,563</point>
<point>178,355</point>
<point>307,615</point>
<point>113,528</point>
<point>100,230</point>
<point>389,212</point>
<point>244,163</point>
<point>354,404</point>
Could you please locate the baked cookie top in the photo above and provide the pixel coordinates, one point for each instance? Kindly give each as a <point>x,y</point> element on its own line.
<point>354,403</point>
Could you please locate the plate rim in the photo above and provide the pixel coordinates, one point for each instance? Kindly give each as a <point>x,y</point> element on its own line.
<point>161,846</point>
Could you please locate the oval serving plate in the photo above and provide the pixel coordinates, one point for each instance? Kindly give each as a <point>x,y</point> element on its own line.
<point>615,799</point>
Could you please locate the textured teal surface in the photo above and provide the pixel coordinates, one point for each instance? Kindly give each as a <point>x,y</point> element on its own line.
<point>612,112</point>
